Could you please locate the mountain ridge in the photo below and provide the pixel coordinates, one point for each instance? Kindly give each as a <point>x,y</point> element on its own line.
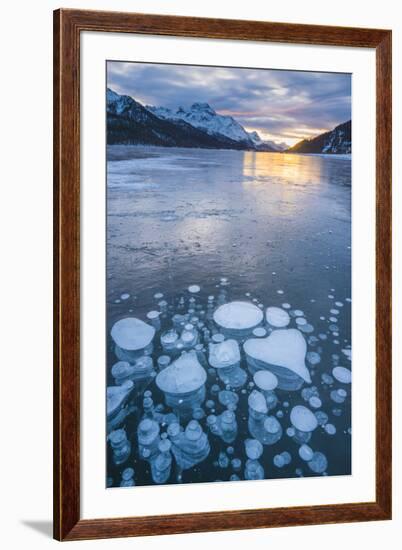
<point>334,142</point>
<point>130,122</point>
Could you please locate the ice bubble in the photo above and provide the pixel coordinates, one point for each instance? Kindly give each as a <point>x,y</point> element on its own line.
<point>224,354</point>
<point>290,432</point>
<point>152,315</point>
<point>272,425</point>
<point>337,397</point>
<point>238,316</point>
<point>280,292</point>
<point>116,396</point>
<point>228,398</point>
<point>342,375</point>
<point>322,417</point>
<point>313,357</point>
<point>265,380</point>
<point>259,332</point>
<point>228,426</point>
<point>191,446</point>
<point>163,361</point>
<point>298,313</point>
<point>327,379</point>
<point>319,463</point>
<point>283,353</point>
<point>223,460</point>
<point>286,306</point>
<point>339,304</point>
<point>347,353</point>
<point>236,464</point>
<point>169,340</point>
<point>158,295</point>
<point>279,461</point>
<point>194,289</point>
<point>277,317</point>
<point>125,296</point>
<point>303,419</point>
<point>307,328</point>
<point>257,402</point>
<point>253,470</point>
<point>330,429</point>
<point>183,376</point>
<point>127,474</point>
<point>254,449</point>
<point>301,321</point>
<point>132,334</point>
<point>305,452</point>
<point>287,457</point>
<point>334,311</point>
<point>120,445</point>
<point>122,371</point>
<point>218,337</point>
<point>315,402</point>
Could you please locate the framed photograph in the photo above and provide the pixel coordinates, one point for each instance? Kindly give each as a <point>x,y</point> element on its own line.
<point>222,265</point>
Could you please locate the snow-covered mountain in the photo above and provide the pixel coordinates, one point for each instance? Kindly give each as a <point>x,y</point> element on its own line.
<point>262,145</point>
<point>204,117</point>
<point>129,122</point>
<point>337,141</point>
<point>201,115</point>
<point>198,126</point>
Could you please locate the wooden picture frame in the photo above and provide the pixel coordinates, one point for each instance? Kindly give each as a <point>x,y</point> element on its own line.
<point>68,24</point>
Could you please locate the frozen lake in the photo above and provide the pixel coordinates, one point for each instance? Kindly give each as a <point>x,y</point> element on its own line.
<point>276,226</point>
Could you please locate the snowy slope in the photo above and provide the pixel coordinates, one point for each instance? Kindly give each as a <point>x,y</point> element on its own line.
<point>201,115</point>
<point>337,141</point>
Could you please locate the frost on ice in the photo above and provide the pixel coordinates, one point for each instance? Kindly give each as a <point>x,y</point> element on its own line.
<point>283,352</point>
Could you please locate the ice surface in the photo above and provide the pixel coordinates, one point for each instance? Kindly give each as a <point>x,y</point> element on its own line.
<point>238,316</point>
<point>303,419</point>
<point>277,317</point>
<point>132,334</point>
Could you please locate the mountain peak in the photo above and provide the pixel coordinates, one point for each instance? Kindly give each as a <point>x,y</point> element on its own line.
<point>200,106</point>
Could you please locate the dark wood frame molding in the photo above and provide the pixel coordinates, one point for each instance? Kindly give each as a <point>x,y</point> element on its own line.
<point>68,24</point>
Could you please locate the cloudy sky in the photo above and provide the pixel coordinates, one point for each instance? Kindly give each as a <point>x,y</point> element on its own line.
<point>280,105</point>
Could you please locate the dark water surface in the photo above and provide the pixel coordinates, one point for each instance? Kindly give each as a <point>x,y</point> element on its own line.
<point>278,227</point>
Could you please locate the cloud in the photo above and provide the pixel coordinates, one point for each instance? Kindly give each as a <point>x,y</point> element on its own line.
<point>283,105</point>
